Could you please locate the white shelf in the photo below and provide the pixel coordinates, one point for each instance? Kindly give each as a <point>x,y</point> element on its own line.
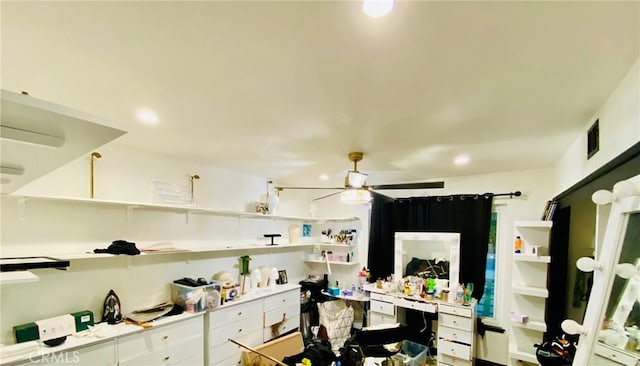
<point>523,356</point>
<point>530,291</point>
<point>327,245</point>
<point>190,209</point>
<point>7,278</point>
<point>531,324</point>
<point>532,258</point>
<point>332,262</point>
<point>533,224</point>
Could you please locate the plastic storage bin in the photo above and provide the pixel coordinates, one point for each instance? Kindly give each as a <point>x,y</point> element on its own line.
<point>412,354</point>
<point>196,299</point>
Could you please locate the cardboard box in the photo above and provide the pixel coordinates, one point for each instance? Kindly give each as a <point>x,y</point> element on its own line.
<point>278,348</point>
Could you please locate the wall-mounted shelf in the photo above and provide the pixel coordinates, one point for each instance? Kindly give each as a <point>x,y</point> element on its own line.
<point>332,262</point>
<point>530,291</point>
<point>531,324</point>
<point>131,206</point>
<point>533,224</point>
<point>524,356</point>
<point>532,258</point>
<point>7,278</point>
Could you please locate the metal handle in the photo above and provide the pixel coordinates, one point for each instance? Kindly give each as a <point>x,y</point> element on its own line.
<point>165,338</point>
<point>166,358</point>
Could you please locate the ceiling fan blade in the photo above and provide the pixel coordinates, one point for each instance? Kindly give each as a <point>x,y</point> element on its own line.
<point>422,185</point>
<point>281,188</point>
<point>327,195</point>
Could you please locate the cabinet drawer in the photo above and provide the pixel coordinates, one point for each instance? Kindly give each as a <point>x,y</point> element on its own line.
<point>452,361</point>
<point>174,354</point>
<point>279,329</point>
<point>454,349</point>
<point>455,310</point>
<point>283,299</point>
<point>382,307</point>
<point>454,321</point>
<point>379,318</point>
<point>235,360</point>
<point>416,305</point>
<point>614,356</point>
<point>102,354</point>
<point>235,330</point>
<point>380,297</point>
<point>457,335</point>
<point>228,349</point>
<point>156,339</point>
<point>282,313</point>
<point>223,316</point>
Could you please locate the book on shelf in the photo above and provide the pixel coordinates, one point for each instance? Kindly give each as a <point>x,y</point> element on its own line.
<point>549,210</point>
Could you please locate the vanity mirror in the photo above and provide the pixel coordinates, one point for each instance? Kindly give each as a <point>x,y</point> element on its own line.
<point>611,329</point>
<point>434,255</point>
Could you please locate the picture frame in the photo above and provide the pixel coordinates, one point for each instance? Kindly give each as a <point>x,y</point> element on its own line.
<point>282,277</point>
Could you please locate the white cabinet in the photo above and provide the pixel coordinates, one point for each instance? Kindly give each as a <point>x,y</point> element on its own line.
<point>381,309</point>
<point>529,290</point>
<point>251,322</point>
<point>175,344</point>
<point>101,354</point>
<point>456,334</point>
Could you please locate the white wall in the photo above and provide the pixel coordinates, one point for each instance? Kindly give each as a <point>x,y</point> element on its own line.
<point>619,123</point>
<point>40,227</point>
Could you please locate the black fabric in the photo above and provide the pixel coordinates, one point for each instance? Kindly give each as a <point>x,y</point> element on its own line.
<point>372,341</point>
<point>318,352</point>
<point>381,233</point>
<point>120,247</point>
<point>469,215</point>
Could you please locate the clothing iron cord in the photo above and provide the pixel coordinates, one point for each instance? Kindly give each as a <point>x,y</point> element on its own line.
<point>280,363</point>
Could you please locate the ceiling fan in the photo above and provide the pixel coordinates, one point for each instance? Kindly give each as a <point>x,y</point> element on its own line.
<point>356,190</point>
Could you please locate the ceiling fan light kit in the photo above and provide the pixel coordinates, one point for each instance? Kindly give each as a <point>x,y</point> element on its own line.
<point>356,191</point>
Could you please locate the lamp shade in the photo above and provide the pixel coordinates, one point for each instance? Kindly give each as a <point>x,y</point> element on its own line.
<point>356,196</point>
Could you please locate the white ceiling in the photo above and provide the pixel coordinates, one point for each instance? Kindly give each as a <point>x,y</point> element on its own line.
<point>286,89</point>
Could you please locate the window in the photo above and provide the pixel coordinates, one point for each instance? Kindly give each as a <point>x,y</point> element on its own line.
<point>486,306</point>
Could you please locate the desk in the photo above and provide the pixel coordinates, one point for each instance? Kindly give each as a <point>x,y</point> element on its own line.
<point>456,322</point>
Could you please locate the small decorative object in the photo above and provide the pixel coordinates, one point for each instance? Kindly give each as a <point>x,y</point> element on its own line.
<point>244,264</point>
<point>112,311</point>
<point>294,234</point>
<point>262,207</point>
<point>282,276</point>
<point>306,230</point>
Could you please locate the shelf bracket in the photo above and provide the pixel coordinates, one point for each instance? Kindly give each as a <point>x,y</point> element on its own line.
<point>130,209</point>
<point>22,208</point>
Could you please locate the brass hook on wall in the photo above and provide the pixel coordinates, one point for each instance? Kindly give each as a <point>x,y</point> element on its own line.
<point>94,155</point>
<point>191,179</point>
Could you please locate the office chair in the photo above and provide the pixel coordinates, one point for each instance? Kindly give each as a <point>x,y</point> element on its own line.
<point>381,341</point>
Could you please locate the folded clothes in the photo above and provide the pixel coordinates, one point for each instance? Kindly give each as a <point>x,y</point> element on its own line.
<point>120,247</point>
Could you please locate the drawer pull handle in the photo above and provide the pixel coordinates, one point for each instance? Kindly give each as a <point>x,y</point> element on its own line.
<point>240,330</point>
<point>165,337</point>
<point>284,300</point>
<point>240,313</point>
<point>166,358</point>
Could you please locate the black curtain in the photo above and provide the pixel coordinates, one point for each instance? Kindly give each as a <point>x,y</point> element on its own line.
<point>469,215</point>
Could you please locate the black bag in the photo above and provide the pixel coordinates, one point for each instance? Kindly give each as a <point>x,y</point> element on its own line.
<point>557,352</point>
<point>318,352</point>
<point>112,311</point>
<point>350,354</point>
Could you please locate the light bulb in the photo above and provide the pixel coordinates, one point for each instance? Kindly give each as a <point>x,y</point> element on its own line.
<point>626,270</point>
<point>588,264</point>
<point>602,197</point>
<point>624,189</point>
<point>572,327</point>
<point>377,8</point>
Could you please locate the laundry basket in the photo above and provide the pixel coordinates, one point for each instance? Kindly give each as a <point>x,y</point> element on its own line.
<point>337,318</point>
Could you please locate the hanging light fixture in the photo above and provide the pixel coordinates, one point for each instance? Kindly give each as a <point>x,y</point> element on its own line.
<point>377,8</point>
<point>358,196</point>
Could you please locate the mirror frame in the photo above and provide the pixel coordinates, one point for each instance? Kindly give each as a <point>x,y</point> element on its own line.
<point>607,256</point>
<point>454,253</point>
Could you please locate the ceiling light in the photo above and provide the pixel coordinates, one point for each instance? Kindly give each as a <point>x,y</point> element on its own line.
<point>147,116</point>
<point>377,8</point>
<point>355,179</point>
<point>323,177</point>
<point>462,159</point>
<point>356,196</point>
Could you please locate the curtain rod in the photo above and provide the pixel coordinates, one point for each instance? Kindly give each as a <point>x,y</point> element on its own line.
<point>486,195</point>
<point>510,194</point>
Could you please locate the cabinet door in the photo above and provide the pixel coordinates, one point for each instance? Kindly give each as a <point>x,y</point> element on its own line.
<point>175,354</point>
<point>103,354</point>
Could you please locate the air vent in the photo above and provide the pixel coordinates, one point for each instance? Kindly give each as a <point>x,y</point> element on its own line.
<point>593,139</point>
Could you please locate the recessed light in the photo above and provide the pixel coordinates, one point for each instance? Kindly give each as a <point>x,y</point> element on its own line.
<point>462,159</point>
<point>377,8</point>
<point>147,116</point>
<point>324,177</point>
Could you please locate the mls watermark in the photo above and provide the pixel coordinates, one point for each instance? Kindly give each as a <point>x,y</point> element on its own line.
<point>55,358</point>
